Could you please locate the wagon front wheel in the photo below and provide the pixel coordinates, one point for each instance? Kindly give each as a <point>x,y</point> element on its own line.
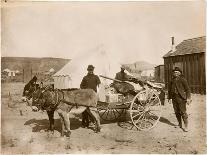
<point>145,109</point>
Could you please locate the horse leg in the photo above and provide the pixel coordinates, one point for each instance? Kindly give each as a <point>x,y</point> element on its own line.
<point>62,122</point>
<point>85,119</point>
<point>67,123</point>
<point>93,112</point>
<point>51,120</point>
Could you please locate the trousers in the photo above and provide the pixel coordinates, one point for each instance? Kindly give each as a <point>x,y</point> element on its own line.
<point>179,105</point>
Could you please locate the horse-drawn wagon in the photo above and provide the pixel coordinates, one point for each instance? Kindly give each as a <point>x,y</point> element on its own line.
<point>143,104</point>
<point>141,100</point>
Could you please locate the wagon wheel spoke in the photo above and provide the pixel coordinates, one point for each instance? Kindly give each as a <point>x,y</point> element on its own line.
<point>114,113</point>
<point>153,118</point>
<point>151,99</point>
<point>118,112</point>
<point>110,114</point>
<point>105,112</point>
<point>137,115</point>
<point>139,118</point>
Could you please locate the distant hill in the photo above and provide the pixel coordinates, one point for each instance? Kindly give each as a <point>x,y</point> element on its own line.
<point>36,64</point>
<point>139,66</point>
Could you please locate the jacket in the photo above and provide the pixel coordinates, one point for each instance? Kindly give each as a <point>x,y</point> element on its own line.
<point>122,76</point>
<point>90,81</point>
<point>182,87</point>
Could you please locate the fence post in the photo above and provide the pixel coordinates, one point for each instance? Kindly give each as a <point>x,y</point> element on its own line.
<point>23,76</point>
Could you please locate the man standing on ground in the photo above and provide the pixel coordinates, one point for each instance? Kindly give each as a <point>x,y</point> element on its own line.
<point>90,81</point>
<point>179,95</point>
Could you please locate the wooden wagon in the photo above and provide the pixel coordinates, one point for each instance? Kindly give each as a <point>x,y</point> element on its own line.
<point>144,107</point>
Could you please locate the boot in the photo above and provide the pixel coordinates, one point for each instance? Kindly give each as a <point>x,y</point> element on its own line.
<point>178,116</point>
<point>185,120</point>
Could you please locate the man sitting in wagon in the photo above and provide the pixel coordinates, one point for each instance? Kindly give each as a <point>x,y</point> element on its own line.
<point>122,75</point>
<point>120,85</point>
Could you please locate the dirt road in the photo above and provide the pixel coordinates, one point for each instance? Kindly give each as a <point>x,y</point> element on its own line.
<point>23,131</point>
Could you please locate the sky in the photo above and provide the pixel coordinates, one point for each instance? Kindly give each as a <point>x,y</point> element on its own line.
<point>126,31</point>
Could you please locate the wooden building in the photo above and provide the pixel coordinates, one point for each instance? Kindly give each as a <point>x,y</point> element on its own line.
<point>159,73</point>
<point>189,56</point>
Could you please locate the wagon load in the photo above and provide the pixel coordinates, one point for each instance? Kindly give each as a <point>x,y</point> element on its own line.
<point>123,87</point>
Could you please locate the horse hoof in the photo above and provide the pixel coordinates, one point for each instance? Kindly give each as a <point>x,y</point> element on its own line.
<point>67,134</point>
<point>98,130</point>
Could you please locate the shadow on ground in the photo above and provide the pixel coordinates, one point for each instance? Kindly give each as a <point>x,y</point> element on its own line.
<point>43,124</point>
<point>125,122</point>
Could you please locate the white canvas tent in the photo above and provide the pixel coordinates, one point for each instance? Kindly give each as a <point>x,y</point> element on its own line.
<point>71,74</point>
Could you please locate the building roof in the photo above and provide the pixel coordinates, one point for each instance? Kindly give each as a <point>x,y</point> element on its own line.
<point>159,65</point>
<point>189,46</point>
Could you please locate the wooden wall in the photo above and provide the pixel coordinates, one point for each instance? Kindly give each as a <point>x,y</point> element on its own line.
<point>193,68</point>
<point>159,73</point>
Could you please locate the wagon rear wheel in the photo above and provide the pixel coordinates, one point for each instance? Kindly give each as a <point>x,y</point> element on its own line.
<point>145,109</point>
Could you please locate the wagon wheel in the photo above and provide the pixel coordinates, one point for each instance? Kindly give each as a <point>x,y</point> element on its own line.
<point>109,113</point>
<point>145,109</point>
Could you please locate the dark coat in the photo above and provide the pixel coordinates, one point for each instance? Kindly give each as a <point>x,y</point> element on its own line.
<point>182,87</point>
<point>90,81</point>
<point>122,76</point>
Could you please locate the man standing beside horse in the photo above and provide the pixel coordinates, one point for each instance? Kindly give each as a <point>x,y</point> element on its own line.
<point>90,81</point>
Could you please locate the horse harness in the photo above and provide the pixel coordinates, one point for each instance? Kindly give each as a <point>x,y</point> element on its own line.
<point>57,101</point>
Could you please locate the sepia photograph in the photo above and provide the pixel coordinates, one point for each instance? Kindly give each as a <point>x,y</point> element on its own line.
<point>103,77</point>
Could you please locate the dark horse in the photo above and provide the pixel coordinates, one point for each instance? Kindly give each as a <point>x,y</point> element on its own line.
<point>64,102</point>
<point>37,100</point>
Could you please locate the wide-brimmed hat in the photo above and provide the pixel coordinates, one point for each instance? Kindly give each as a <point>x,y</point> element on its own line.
<point>90,68</point>
<point>177,69</point>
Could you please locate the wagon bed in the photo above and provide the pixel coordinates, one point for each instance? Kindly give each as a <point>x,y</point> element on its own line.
<point>144,109</point>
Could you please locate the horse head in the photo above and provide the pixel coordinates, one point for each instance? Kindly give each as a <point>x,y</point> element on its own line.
<point>45,98</point>
<point>37,98</point>
<point>31,89</point>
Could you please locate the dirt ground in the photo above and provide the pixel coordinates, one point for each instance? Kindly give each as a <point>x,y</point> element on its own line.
<point>24,131</point>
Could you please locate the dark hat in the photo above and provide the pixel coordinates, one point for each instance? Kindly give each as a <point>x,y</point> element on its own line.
<point>90,67</point>
<point>177,69</point>
<point>123,67</point>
